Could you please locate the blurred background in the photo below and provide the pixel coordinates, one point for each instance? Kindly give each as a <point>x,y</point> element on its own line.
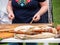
<point>55,10</point>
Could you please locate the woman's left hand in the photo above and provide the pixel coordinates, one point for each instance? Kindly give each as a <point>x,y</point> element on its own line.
<point>36,18</point>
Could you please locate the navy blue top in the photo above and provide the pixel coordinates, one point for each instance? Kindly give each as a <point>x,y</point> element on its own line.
<point>25,10</point>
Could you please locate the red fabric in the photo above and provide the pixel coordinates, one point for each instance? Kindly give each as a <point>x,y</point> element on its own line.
<point>16,0</point>
<point>28,0</point>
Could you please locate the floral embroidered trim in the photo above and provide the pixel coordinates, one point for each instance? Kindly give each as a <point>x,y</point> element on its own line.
<point>22,2</point>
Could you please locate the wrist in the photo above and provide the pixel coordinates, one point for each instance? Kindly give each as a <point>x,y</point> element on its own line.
<point>10,12</point>
<point>38,14</point>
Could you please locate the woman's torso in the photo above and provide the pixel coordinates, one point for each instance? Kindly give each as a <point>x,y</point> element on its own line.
<point>25,12</point>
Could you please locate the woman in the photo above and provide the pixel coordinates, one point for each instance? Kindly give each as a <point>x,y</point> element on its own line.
<point>23,11</point>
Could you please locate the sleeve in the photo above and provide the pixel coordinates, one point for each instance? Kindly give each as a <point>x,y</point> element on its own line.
<point>40,0</point>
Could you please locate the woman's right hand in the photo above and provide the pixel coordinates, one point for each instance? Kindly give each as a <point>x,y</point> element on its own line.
<point>11,16</point>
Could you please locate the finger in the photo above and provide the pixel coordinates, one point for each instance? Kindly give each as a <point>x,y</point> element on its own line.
<point>11,17</point>
<point>36,19</point>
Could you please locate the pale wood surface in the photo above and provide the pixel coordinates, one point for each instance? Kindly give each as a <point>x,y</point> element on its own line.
<point>9,26</point>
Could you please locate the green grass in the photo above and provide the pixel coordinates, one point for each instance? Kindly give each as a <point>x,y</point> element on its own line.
<point>53,43</point>
<point>56,11</point>
<point>4,44</point>
<point>40,43</point>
